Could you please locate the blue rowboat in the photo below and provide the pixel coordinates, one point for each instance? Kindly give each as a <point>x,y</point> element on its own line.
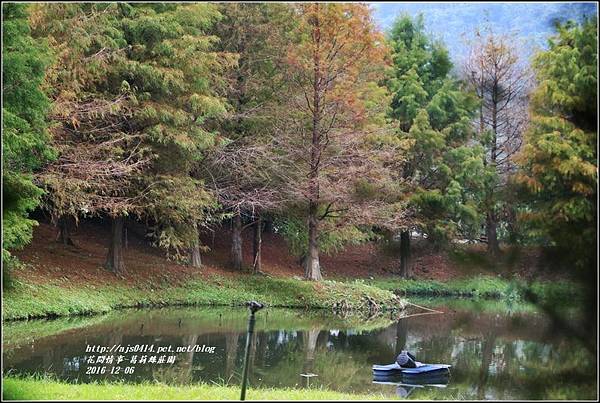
<point>419,370</point>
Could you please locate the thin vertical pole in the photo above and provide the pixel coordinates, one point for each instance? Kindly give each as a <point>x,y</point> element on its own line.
<point>251,322</point>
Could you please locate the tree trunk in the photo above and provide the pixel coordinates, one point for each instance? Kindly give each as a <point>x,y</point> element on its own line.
<point>404,254</point>
<point>195,257</point>
<point>231,348</point>
<point>236,242</point>
<point>310,348</point>
<point>312,269</point>
<point>114,260</point>
<point>268,226</point>
<point>493,247</point>
<point>401,335</point>
<point>64,235</point>
<point>491,222</point>
<point>487,353</point>
<point>256,259</point>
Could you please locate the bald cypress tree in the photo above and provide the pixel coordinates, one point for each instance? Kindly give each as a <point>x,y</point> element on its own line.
<point>134,89</point>
<point>241,168</point>
<point>333,71</point>
<point>501,81</point>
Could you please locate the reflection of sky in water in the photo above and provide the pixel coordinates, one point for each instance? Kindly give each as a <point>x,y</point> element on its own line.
<point>518,361</point>
<point>74,364</point>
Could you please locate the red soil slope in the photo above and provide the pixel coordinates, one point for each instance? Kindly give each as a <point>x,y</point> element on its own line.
<point>83,262</point>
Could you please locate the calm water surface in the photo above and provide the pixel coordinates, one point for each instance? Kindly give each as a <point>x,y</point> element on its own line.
<point>495,353</point>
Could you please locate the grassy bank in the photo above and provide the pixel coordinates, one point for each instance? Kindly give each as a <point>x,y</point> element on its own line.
<point>485,287</point>
<point>43,389</point>
<point>60,297</point>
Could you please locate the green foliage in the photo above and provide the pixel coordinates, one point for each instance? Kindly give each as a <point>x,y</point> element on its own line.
<point>57,298</point>
<point>444,173</point>
<point>24,127</point>
<point>258,36</point>
<point>332,240</point>
<point>559,158</point>
<point>141,94</point>
<point>33,389</point>
<point>175,229</point>
<point>416,56</point>
<point>147,85</point>
<point>173,72</point>
<point>484,287</point>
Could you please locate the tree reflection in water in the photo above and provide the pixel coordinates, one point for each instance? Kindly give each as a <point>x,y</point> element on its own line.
<point>494,355</point>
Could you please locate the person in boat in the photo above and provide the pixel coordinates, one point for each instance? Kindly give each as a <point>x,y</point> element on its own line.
<point>406,360</point>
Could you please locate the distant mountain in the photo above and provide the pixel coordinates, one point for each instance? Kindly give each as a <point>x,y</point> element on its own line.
<point>533,23</point>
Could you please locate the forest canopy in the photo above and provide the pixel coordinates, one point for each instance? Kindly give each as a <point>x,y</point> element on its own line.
<point>303,119</point>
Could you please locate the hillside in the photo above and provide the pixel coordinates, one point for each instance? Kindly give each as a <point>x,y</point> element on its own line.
<point>532,23</point>
<point>46,259</point>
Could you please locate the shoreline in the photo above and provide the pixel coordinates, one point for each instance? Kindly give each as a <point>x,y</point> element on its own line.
<point>26,300</point>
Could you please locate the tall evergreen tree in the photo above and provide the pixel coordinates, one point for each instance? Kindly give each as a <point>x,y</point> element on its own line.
<point>442,171</point>
<point>24,125</point>
<point>558,163</point>
<point>134,88</point>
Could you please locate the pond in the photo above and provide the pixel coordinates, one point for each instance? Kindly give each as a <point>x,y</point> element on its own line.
<point>494,353</point>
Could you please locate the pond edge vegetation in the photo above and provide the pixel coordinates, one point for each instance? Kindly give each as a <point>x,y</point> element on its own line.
<point>26,300</point>
<point>16,388</point>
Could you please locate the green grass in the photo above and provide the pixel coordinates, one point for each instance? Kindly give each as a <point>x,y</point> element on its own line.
<point>472,261</point>
<point>25,300</point>
<point>47,389</point>
<point>485,287</point>
<point>59,298</point>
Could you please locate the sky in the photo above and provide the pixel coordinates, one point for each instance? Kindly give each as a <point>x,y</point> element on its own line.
<point>531,23</point>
